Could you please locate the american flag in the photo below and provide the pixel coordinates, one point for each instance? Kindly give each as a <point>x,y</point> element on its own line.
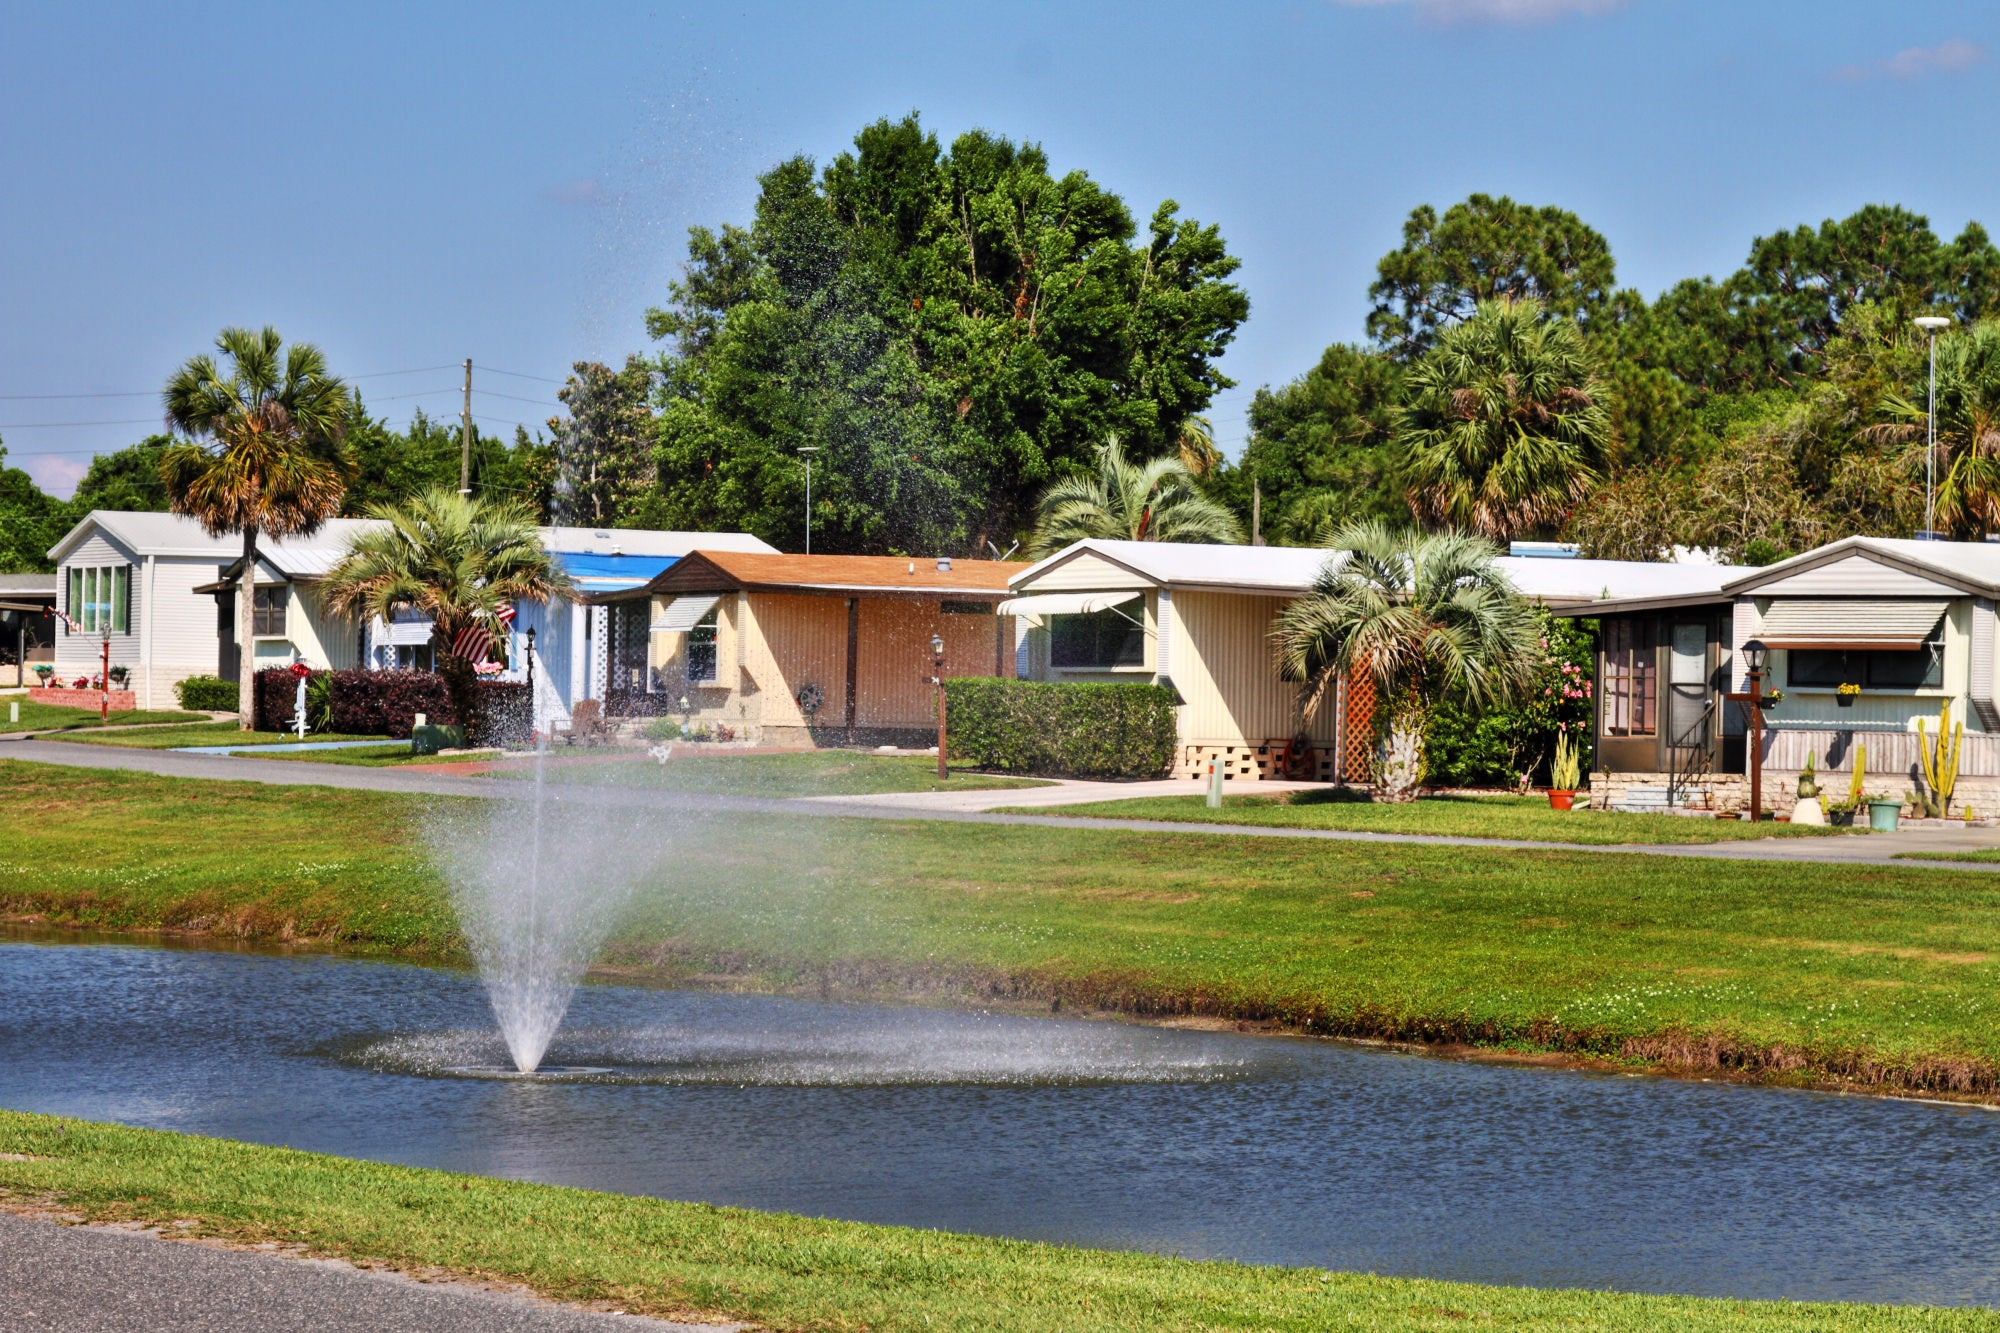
<point>475,642</point>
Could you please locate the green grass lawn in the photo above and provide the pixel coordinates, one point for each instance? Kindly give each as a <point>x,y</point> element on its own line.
<point>1986,854</point>
<point>201,733</point>
<point>1873,976</point>
<point>389,754</point>
<point>1528,818</point>
<point>41,717</point>
<point>806,773</point>
<point>668,1259</point>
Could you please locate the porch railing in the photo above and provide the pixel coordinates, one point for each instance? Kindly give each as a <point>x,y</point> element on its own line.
<point>1690,756</point>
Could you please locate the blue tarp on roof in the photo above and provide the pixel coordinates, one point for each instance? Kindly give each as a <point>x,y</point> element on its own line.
<point>600,572</point>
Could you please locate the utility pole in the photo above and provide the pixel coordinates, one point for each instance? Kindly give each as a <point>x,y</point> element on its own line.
<point>1930,324</point>
<point>465,437</point>
<point>1256,512</point>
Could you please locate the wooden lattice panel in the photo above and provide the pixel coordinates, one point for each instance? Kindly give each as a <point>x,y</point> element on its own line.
<point>1357,729</point>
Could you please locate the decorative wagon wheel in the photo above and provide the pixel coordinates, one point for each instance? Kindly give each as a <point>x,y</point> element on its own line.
<point>811,699</point>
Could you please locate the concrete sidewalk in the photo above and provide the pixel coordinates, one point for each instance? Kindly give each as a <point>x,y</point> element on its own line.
<point>1879,849</point>
<point>86,1279</point>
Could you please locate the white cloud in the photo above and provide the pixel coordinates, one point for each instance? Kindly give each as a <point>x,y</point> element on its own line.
<point>1513,13</point>
<point>1954,55</point>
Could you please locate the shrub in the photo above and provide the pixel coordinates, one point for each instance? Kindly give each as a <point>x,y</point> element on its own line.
<point>360,703</point>
<point>207,694</point>
<point>430,739</point>
<point>662,729</point>
<point>1062,729</point>
<point>506,713</point>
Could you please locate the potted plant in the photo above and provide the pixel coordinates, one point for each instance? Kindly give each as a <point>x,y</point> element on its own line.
<point>1565,773</point>
<point>43,671</point>
<point>119,674</point>
<point>1771,700</point>
<point>1842,813</point>
<point>1847,694</point>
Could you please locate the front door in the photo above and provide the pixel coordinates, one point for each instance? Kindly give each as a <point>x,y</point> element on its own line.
<point>1688,689</point>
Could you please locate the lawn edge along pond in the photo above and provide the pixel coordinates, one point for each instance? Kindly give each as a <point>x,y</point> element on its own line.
<point>697,1261</point>
<point>1876,979</point>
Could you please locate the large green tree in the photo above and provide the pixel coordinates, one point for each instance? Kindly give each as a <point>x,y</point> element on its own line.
<point>952,329</point>
<point>126,479</point>
<point>391,465</point>
<point>1486,249</point>
<point>1320,450</point>
<point>1502,430</point>
<point>260,453</point>
<point>1157,501</point>
<point>31,521</point>
<point>604,448</point>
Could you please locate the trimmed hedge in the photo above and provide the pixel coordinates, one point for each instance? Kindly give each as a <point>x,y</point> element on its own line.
<point>1063,729</point>
<point>207,694</point>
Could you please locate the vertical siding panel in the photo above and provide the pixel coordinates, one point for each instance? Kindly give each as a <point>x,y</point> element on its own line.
<point>1235,695</point>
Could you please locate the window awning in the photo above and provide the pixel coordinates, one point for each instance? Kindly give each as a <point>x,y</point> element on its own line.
<point>1851,623</point>
<point>403,633</point>
<point>1066,603</point>
<point>684,613</point>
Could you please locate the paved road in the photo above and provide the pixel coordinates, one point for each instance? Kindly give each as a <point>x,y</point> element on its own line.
<point>1874,849</point>
<point>70,1279</point>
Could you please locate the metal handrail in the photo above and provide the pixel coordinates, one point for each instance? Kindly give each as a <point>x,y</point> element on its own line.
<point>1700,760</point>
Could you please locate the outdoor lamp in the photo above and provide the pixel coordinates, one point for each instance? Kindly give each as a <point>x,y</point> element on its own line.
<point>937,645</point>
<point>1754,653</point>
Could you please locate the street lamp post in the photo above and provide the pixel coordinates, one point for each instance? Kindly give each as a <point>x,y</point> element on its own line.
<point>1754,657</point>
<point>809,450</point>
<point>1930,324</point>
<point>937,664</point>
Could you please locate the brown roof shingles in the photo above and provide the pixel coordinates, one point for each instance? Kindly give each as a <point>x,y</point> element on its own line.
<point>886,575</point>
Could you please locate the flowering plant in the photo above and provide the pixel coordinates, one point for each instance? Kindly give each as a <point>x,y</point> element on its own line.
<point>44,670</point>
<point>1849,689</point>
<point>300,670</point>
<point>80,683</point>
<point>488,669</point>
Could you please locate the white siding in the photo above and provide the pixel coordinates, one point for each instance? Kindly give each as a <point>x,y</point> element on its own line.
<point>1855,576</point>
<point>1084,572</point>
<point>182,628</point>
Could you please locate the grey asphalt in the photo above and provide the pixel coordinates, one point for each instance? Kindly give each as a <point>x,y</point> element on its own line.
<point>1875,849</point>
<point>75,1279</point>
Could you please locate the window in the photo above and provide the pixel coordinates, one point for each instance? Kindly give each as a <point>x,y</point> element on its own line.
<point>267,615</point>
<point>100,598</point>
<point>966,608</point>
<point>701,649</point>
<point>1098,641</point>
<point>1875,669</point>
<point>414,657</point>
<point>1631,676</point>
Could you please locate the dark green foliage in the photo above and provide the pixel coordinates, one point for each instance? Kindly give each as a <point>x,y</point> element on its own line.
<point>127,480</point>
<point>361,703</point>
<point>603,449</point>
<point>1320,449</point>
<point>1062,729</point>
<point>31,522</point>
<point>1498,746</point>
<point>392,465</point>
<point>1485,249</point>
<point>431,739</point>
<point>207,694</point>
<point>952,329</point>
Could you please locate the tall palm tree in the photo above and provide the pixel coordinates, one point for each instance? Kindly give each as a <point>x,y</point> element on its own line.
<point>1503,431</point>
<point>457,559</point>
<point>261,453</point>
<point>1968,431</point>
<point>1196,444</point>
<point>1422,617</point>
<point>1157,501</point>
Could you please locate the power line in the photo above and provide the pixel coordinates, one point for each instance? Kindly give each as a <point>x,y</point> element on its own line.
<point>46,397</point>
<point>51,425</point>
<point>154,393</point>
<point>515,397</point>
<point>519,376</point>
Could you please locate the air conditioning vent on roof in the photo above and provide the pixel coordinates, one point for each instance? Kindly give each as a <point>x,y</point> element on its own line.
<point>944,564</point>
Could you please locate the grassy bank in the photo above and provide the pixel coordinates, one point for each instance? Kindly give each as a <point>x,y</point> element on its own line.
<point>662,1258</point>
<point>1875,977</point>
<point>199,733</point>
<point>46,717</point>
<point>1526,818</point>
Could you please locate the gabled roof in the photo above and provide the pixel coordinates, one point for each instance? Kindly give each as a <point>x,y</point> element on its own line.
<point>707,571</point>
<point>647,541</point>
<point>1970,567</point>
<point>31,584</point>
<point>177,535</point>
<point>1289,571</point>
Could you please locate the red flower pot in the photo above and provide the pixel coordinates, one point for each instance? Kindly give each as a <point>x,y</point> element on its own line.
<point>1561,800</point>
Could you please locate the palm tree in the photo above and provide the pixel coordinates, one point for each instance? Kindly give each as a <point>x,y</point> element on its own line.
<point>1968,431</point>
<point>457,559</point>
<point>1420,616</point>
<point>262,453</point>
<point>1196,444</point>
<point>1157,501</point>
<point>1502,432</point>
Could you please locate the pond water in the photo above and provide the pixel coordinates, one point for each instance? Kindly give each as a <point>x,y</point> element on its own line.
<point>1265,1150</point>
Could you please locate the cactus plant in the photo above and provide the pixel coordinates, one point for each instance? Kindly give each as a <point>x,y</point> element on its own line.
<point>1940,760</point>
<point>1860,772</point>
<point>1565,770</point>
<point>1809,777</point>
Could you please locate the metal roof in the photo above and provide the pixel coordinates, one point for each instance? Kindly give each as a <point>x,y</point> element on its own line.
<point>828,575</point>
<point>28,583</point>
<point>1970,566</point>
<point>1288,571</point>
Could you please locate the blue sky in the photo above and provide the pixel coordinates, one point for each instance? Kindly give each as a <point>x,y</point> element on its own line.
<point>409,184</point>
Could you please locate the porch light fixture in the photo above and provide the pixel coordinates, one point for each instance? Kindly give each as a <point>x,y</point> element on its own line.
<point>1755,654</point>
<point>1931,324</point>
<point>937,662</point>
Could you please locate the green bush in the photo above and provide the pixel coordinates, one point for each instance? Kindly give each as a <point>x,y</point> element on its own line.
<point>1062,730</point>
<point>207,694</point>
<point>662,729</point>
<point>429,739</point>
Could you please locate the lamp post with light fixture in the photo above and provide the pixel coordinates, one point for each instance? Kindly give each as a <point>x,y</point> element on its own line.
<point>1930,324</point>
<point>937,665</point>
<point>1755,654</point>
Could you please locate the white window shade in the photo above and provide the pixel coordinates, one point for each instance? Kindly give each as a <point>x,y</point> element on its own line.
<point>684,613</point>
<point>1042,605</point>
<point>1853,623</point>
